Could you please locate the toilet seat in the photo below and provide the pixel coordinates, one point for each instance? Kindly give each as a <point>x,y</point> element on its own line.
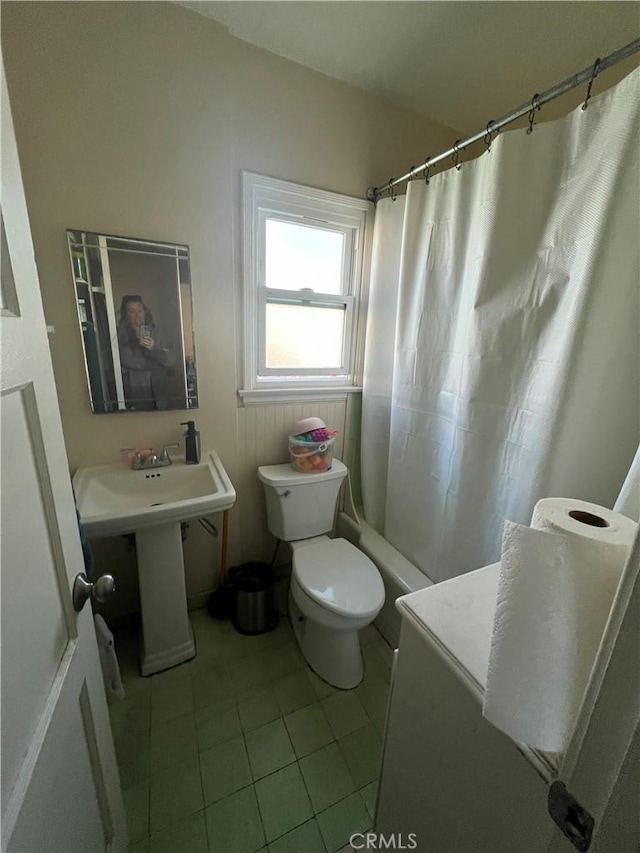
<point>339,577</point>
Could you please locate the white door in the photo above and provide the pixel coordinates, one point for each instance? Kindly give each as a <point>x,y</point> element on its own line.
<point>60,786</point>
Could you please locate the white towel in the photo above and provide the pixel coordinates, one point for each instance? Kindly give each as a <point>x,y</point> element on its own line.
<point>108,661</point>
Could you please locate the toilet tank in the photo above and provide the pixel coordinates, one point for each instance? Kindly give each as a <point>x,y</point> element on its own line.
<point>300,506</point>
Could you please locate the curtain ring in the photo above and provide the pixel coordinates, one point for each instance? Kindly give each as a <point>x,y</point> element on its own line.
<point>427,170</point>
<point>392,192</point>
<point>532,112</point>
<point>594,74</point>
<point>456,155</point>
<point>487,137</point>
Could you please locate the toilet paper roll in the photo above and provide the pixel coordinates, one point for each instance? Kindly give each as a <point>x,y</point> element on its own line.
<point>557,583</point>
<point>585,520</point>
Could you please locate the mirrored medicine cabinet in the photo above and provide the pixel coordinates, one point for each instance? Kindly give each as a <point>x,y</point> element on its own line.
<point>134,305</point>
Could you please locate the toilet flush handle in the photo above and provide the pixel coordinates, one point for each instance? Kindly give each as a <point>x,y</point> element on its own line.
<point>286,494</point>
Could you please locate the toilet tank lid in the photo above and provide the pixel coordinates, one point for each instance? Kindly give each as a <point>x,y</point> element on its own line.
<point>285,475</point>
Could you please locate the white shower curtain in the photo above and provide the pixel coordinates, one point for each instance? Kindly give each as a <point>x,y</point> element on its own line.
<point>502,342</point>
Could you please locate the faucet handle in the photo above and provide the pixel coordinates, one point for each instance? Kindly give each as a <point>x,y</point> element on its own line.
<point>136,459</point>
<point>164,453</point>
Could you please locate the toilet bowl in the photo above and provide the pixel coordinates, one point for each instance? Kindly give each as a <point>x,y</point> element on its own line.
<point>335,589</point>
<point>335,592</point>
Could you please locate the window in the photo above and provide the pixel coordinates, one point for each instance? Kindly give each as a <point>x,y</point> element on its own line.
<point>303,260</point>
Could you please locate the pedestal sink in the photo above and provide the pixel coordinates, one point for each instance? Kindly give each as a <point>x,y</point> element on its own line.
<point>114,499</point>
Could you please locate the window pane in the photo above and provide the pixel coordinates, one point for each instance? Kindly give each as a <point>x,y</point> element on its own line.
<point>304,336</point>
<point>301,256</point>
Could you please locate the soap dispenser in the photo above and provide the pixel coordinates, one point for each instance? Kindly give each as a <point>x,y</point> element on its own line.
<point>191,443</point>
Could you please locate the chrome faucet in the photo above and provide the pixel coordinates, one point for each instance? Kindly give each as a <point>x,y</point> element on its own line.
<point>145,460</point>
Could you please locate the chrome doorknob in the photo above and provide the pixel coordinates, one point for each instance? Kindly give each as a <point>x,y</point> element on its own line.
<point>83,590</point>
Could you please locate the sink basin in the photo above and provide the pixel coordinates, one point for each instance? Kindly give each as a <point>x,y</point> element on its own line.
<point>114,499</point>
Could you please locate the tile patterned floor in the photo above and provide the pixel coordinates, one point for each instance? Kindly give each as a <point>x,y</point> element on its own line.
<point>245,749</point>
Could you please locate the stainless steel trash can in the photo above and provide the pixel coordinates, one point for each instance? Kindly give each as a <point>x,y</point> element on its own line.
<point>254,607</point>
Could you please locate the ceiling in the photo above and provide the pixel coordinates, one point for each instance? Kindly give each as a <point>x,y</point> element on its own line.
<point>456,62</point>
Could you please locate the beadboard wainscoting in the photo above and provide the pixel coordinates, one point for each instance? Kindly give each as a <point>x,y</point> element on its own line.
<point>262,439</point>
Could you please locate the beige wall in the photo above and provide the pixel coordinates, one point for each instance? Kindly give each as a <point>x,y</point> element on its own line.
<point>136,119</point>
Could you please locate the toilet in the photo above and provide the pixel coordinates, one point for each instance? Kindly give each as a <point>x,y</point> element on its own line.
<point>335,589</point>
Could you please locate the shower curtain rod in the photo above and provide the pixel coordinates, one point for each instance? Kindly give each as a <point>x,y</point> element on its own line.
<point>530,107</point>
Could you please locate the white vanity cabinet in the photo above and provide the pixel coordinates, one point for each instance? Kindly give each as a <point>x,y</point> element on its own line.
<point>448,775</point>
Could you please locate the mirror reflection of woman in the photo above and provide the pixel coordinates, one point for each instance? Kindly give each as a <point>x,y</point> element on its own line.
<point>145,358</point>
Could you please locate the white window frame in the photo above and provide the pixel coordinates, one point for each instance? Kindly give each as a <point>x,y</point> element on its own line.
<point>269,198</point>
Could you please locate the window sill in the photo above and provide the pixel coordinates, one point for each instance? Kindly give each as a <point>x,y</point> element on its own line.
<point>269,396</point>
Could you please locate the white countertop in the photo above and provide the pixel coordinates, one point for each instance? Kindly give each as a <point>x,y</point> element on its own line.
<point>458,616</point>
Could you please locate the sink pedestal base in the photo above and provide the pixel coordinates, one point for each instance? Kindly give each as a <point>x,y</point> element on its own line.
<point>167,639</point>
